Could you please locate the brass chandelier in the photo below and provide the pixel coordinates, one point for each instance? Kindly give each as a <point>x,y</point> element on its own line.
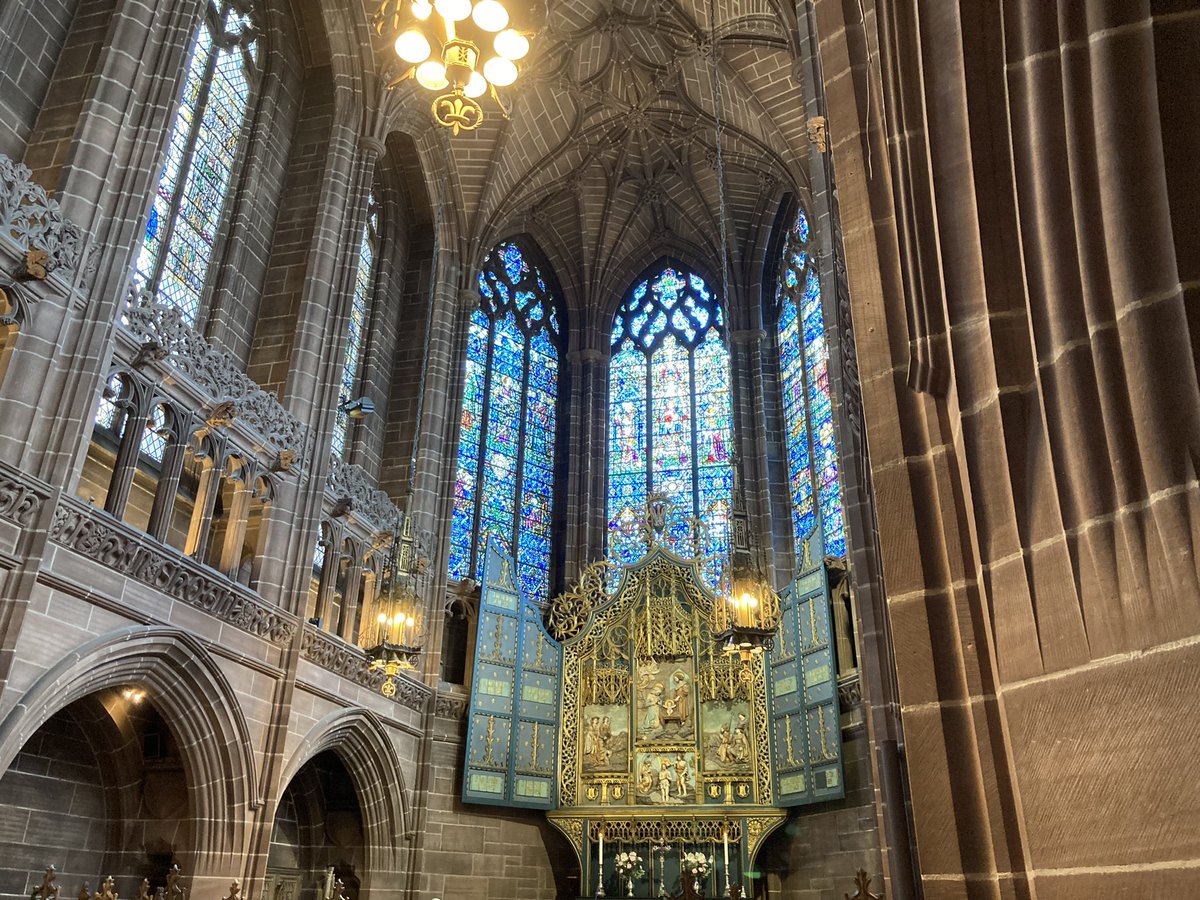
<point>441,42</point>
<point>746,613</point>
<point>394,634</point>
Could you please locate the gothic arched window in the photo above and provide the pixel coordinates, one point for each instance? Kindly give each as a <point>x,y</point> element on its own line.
<point>364,276</point>
<point>807,404</point>
<point>507,440</point>
<point>669,406</point>
<point>181,232</point>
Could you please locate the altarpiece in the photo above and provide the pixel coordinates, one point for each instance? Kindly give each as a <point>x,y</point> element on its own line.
<point>615,710</point>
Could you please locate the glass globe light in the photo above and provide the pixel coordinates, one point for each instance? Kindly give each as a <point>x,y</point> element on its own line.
<point>511,44</point>
<point>422,9</point>
<point>476,86</point>
<point>490,15</point>
<point>432,75</point>
<point>412,46</point>
<point>454,10</point>
<point>500,71</point>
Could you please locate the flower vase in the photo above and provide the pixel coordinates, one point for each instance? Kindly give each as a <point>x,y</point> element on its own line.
<point>630,886</point>
<point>696,885</point>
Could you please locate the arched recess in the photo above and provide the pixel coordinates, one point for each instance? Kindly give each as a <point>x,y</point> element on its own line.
<point>196,701</point>
<point>361,742</point>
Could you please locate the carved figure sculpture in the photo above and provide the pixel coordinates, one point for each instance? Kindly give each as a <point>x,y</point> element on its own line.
<point>175,890</point>
<point>49,890</point>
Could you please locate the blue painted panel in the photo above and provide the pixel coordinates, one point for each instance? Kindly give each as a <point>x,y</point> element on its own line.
<point>512,731</point>
<point>806,735</point>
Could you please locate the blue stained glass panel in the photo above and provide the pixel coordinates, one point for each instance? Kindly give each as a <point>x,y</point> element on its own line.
<point>508,431</point>
<point>462,524</point>
<point>185,215</point>
<point>357,326</point>
<point>807,402</point>
<point>670,416</point>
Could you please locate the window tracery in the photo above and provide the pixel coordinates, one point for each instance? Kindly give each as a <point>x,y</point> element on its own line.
<point>181,231</point>
<point>670,412</point>
<point>509,429</point>
<point>816,492</point>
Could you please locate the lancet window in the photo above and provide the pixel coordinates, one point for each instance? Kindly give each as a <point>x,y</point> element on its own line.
<point>807,404</point>
<point>509,428</point>
<point>670,414</point>
<point>181,232</point>
<point>364,283</point>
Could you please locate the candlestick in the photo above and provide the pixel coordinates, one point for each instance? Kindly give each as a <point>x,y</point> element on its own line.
<point>725,840</point>
<point>600,876</point>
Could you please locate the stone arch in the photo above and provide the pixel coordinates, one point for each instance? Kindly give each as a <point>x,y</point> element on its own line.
<point>196,701</point>
<point>360,740</point>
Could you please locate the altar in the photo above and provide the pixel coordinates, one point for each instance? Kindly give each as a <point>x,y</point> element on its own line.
<point>665,761</point>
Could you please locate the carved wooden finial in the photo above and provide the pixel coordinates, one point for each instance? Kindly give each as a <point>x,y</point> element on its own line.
<point>175,890</point>
<point>108,890</point>
<point>862,884</point>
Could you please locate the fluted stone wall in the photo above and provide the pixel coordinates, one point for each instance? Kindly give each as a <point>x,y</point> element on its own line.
<point>1023,272</point>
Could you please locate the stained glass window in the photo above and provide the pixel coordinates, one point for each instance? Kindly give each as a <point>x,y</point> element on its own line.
<point>670,416</point>
<point>807,404</point>
<point>364,276</point>
<point>508,431</point>
<point>181,231</point>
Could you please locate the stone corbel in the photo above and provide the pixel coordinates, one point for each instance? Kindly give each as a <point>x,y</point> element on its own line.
<point>35,266</point>
<point>149,352</point>
<point>469,299</point>
<point>816,133</point>
<point>746,336</point>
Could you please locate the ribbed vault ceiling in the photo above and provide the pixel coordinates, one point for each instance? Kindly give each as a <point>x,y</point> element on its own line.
<point>608,157</point>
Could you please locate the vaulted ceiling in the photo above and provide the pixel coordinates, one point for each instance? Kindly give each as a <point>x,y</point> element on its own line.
<point>608,158</point>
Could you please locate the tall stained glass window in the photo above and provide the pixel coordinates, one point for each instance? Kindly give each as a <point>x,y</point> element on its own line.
<point>364,276</point>
<point>181,232</point>
<point>807,404</point>
<point>506,444</point>
<point>669,406</point>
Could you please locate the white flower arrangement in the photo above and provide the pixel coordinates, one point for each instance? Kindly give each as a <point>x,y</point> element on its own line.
<point>696,864</point>
<point>629,865</point>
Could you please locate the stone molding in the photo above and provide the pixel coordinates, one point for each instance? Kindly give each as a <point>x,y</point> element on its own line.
<point>747,336</point>
<point>354,491</point>
<point>21,497</point>
<point>849,689</point>
<point>587,355</point>
<point>98,537</point>
<point>33,221</point>
<point>164,336</point>
<point>352,663</point>
<point>450,706</point>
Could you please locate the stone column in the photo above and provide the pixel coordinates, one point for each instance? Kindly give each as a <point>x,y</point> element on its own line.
<point>235,531</point>
<point>585,497</point>
<point>749,412</point>
<point>437,442</point>
<point>133,429</point>
<point>174,456</point>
